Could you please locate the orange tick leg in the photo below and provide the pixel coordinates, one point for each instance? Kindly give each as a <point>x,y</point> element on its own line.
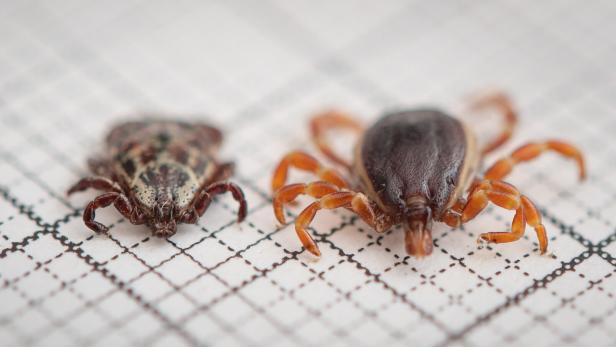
<point>503,103</point>
<point>357,202</point>
<point>508,197</point>
<point>531,151</point>
<point>500,193</point>
<point>533,218</point>
<point>289,193</point>
<point>332,120</point>
<point>528,212</point>
<point>305,162</point>
<point>518,227</point>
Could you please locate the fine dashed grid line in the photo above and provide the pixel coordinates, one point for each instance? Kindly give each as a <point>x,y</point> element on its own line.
<point>72,70</point>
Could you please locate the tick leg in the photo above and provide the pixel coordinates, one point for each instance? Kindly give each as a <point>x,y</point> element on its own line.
<point>518,227</point>
<point>505,196</point>
<point>500,193</point>
<point>203,199</point>
<point>327,121</point>
<point>124,206</point>
<point>120,201</point>
<point>453,216</point>
<point>526,214</point>
<point>190,217</point>
<point>305,162</point>
<point>137,216</point>
<point>289,193</point>
<point>203,203</point>
<point>221,188</point>
<point>503,103</point>
<point>531,151</point>
<point>356,202</point>
<point>99,183</point>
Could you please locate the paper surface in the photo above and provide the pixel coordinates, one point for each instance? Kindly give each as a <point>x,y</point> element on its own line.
<point>69,70</point>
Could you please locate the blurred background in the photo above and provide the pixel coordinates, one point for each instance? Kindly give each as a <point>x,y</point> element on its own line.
<point>71,69</point>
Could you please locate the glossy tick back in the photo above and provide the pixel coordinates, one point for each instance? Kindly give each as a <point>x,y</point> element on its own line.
<point>412,168</point>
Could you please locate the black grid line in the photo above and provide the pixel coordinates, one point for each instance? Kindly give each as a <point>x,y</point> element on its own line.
<point>259,70</point>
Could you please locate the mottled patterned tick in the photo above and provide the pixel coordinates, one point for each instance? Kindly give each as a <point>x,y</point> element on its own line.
<point>159,173</point>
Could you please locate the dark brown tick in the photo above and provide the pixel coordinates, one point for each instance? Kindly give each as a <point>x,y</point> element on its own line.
<point>159,173</point>
<point>412,168</point>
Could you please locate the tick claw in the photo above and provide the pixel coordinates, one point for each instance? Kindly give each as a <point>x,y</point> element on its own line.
<point>316,254</point>
<point>99,228</point>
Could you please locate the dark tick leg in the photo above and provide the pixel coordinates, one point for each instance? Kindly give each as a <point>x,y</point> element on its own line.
<point>328,121</point>
<point>202,203</point>
<point>190,217</point>
<point>356,202</point>
<point>203,200</point>
<point>99,183</point>
<point>531,151</point>
<point>504,104</point>
<point>221,188</point>
<point>305,162</point>
<point>120,201</point>
<point>136,217</point>
<point>505,196</point>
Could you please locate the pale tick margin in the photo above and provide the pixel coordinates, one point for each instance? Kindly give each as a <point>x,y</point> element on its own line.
<point>159,173</point>
<point>412,168</point>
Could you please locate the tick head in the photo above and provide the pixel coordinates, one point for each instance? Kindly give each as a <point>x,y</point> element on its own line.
<point>164,224</point>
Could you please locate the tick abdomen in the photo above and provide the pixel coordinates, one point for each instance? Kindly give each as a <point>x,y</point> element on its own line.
<point>413,155</point>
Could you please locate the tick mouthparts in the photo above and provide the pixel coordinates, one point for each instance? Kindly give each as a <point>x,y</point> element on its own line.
<point>164,232</point>
<point>419,243</point>
<point>418,229</point>
<point>418,238</point>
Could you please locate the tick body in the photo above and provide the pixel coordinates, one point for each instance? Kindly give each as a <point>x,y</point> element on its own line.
<point>412,168</point>
<point>159,173</point>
